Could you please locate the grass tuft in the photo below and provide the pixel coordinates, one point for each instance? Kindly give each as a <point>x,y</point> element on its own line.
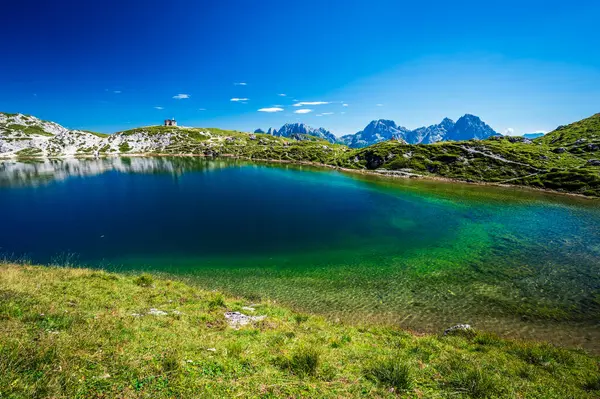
<point>216,301</point>
<point>303,362</point>
<point>475,382</point>
<point>144,280</point>
<point>393,373</point>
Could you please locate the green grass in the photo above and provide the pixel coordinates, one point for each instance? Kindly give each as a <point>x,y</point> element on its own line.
<point>28,130</point>
<point>29,152</point>
<point>124,147</point>
<point>101,135</point>
<point>79,333</point>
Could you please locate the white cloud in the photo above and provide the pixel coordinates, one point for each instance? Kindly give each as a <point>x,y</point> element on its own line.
<point>379,105</point>
<point>344,105</point>
<point>241,84</point>
<point>235,99</point>
<point>158,108</point>
<point>303,111</point>
<point>281,95</point>
<point>327,113</point>
<point>272,109</point>
<point>117,91</point>
<point>201,109</point>
<point>509,132</point>
<point>181,96</point>
<point>301,103</point>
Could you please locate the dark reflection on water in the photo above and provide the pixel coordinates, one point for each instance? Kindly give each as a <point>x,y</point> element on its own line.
<point>420,254</point>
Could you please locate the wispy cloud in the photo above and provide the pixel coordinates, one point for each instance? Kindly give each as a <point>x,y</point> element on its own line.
<point>158,107</point>
<point>201,109</point>
<point>509,131</point>
<point>117,91</point>
<point>240,84</point>
<point>282,95</point>
<point>344,105</point>
<point>379,105</point>
<point>181,96</point>
<point>303,111</point>
<point>301,103</point>
<point>235,99</point>
<point>272,109</point>
<point>325,113</point>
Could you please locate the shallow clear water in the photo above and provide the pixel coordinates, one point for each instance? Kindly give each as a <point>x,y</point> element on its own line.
<point>420,254</point>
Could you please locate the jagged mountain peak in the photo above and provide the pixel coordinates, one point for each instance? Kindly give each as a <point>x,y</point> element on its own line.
<point>447,123</point>
<point>469,127</point>
<point>376,131</point>
<point>297,129</point>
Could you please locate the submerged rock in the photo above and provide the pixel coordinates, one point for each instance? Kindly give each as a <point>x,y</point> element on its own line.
<point>458,327</point>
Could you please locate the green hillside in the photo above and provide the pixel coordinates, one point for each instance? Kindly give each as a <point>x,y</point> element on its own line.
<point>562,160</point>
<point>585,131</point>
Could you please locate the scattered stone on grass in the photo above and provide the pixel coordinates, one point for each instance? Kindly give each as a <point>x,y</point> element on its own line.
<point>237,319</point>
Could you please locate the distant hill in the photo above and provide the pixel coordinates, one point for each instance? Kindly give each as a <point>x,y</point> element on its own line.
<point>27,136</point>
<point>468,127</point>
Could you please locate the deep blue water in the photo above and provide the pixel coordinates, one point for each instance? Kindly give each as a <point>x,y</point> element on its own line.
<point>415,253</point>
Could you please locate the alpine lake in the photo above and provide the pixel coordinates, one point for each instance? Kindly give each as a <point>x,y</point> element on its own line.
<point>422,255</point>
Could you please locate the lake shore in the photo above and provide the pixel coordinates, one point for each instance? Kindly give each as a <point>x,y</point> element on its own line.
<point>379,173</point>
<point>69,332</point>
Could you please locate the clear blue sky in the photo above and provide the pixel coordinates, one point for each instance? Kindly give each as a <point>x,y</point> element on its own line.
<point>112,65</point>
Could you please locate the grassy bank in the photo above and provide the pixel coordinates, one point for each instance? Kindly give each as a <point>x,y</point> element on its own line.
<point>67,333</point>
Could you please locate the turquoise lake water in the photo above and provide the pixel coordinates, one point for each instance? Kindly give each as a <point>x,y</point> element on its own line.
<point>419,254</point>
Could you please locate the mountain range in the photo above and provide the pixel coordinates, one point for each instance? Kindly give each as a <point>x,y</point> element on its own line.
<point>467,127</point>
<point>300,131</point>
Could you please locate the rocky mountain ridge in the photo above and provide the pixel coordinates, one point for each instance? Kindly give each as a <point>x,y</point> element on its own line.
<point>299,131</point>
<point>467,127</point>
